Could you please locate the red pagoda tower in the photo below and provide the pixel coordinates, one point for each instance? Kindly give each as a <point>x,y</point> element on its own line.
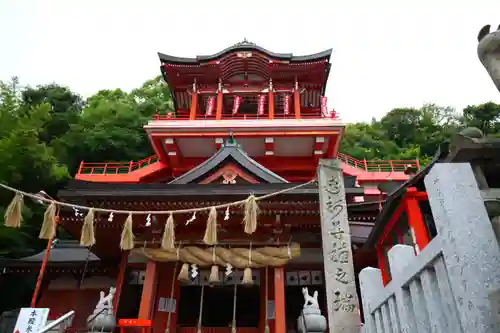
<point>246,120</point>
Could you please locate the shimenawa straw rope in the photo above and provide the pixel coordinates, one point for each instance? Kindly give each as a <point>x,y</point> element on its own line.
<point>145,212</point>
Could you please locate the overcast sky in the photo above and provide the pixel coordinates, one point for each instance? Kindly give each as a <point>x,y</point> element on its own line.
<point>386,53</point>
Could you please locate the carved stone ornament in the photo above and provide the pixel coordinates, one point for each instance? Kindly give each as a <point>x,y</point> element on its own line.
<point>488,51</point>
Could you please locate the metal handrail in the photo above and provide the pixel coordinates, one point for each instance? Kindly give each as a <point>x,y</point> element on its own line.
<point>57,322</point>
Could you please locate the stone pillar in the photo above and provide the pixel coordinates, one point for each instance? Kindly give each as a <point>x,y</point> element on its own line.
<point>342,299</point>
<point>469,245</point>
<point>370,283</point>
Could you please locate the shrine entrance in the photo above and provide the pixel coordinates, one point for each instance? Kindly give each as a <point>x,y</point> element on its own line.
<point>217,306</point>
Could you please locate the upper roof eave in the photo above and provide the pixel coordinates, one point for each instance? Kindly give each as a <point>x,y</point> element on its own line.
<point>63,251</point>
<point>244,46</point>
<point>78,189</point>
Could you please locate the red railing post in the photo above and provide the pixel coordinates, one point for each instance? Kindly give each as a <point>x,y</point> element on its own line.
<point>130,166</point>
<point>391,166</point>
<point>416,220</point>
<point>417,162</point>
<point>366,164</point>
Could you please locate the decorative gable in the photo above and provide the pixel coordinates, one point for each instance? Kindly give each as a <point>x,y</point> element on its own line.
<point>230,174</point>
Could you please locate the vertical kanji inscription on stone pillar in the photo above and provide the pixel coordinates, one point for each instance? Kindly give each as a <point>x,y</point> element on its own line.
<point>343,315</point>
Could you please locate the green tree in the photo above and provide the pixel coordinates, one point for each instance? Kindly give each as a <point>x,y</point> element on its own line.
<point>110,128</point>
<point>65,107</point>
<point>485,116</point>
<point>153,97</point>
<point>27,162</point>
<point>403,133</point>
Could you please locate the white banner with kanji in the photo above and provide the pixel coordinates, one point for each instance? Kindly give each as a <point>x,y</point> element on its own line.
<point>324,107</point>
<point>210,106</point>
<point>236,105</point>
<point>286,104</point>
<point>262,103</point>
<point>31,320</point>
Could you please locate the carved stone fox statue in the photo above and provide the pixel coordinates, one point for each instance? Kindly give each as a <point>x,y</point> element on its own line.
<point>310,302</point>
<point>488,51</point>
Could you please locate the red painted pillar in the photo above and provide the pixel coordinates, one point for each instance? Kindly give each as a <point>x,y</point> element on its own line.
<point>271,99</point>
<point>148,291</point>
<point>296,99</point>
<point>416,221</point>
<point>194,103</point>
<point>279,300</point>
<point>218,109</point>
<point>119,280</point>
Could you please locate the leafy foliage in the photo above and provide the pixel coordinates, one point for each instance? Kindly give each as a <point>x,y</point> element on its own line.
<point>403,133</point>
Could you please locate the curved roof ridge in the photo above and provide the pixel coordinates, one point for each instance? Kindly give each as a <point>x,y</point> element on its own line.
<point>245,46</point>
<point>260,166</point>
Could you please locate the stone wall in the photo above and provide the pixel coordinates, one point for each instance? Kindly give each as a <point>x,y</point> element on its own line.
<point>453,285</point>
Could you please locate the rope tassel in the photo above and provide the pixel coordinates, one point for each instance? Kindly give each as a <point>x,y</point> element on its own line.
<point>214,271</point>
<point>127,240</point>
<point>87,237</point>
<point>247,273</point>
<point>13,214</point>
<point>210,237</point>
<point>251,214</point>
<point>184,273</point>
<point>168,240</point>
<point>247,277</point>
<point>214,274</point>
<point>48,229</point>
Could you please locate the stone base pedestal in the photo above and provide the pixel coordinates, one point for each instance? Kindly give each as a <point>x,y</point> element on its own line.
<point>104,322</point>
<point>315,322</point>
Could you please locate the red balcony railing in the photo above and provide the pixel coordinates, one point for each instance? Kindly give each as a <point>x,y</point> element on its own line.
<point>379,165</point>
<point>185,116</point>
<point>114,168</point>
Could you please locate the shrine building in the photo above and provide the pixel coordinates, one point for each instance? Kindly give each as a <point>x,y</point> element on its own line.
<point>247,121</point>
